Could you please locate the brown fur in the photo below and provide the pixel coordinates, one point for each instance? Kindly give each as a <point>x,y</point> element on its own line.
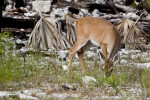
<point>102,33</point>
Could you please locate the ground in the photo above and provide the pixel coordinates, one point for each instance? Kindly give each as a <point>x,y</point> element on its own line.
<point>36,76</point>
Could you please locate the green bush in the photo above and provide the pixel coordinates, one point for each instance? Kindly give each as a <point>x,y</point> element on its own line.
<point>148,2</point>
<point>5,42</point>
<point>10,69</point>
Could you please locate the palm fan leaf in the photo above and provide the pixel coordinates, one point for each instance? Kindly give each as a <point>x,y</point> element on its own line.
<point>48,34</point>
<point>132,33</point>
<point>70,24</point>
<point>125,25</point>
<point>41,36</point>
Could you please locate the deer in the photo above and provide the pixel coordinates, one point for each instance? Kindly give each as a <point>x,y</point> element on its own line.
<point>99,32</point>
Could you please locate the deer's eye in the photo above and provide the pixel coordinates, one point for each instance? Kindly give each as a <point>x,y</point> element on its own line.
<point>111,70</point>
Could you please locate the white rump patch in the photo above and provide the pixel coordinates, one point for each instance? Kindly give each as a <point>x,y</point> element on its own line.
<point>80,46</point>
<point>90,41</point>
<point>95,43</point>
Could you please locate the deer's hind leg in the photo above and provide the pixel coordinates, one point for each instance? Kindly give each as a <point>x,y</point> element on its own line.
<point>73,50</point>
<point>80,55</point>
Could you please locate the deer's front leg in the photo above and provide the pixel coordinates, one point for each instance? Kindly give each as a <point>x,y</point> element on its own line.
<point>80,55</point>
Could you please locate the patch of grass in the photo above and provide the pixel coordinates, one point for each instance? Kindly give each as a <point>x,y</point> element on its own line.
<point>10,69</point>
<point>13,71</point>
<point>5,42</point>
<point>146,81</point>
<point>75,76</point>
<point>148,2</point>
<point>37,71</point>
<point>116,79</point>
<point>141,60</point>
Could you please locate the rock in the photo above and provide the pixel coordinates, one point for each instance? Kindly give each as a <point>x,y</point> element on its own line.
<point>8,8</point>
<point>42,6</point>
<point>68,87</point>
<point>123,61</point>
<point>89,80</point>
<point>124,15</point>
<point>86,12</point>
<point>148,17</point>
<point>65,10</point>
<point>65,67</point>
<point>100,1</point>
<point>18,41</point>
<point>25,10</point>
<point>30,13</point>
<point>132,15</point>
<point>58,12</point>
<point>62,54</point>
<point>28,7</point>
<point>64,96</point>
<point>96,13</point>
<point>108,17</point>
<point>21,43</point>
<point>25,94</point>
<point>40,94</point>
<point>91,54</point>
<point>115,20</point>
<point>22,30</point>
<point>26,97</point>
<point>24,50</point>
<point>69,0</point>
<point>5,14</point>
<point>143,65</point>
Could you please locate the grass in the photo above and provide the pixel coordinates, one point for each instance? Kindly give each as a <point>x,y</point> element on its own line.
<point>36,72</point>
<point>148,2</point>
<point>145,81</point>
<point>10,69</point>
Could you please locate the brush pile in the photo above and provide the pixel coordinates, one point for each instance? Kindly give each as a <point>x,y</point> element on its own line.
<point>55,28</point>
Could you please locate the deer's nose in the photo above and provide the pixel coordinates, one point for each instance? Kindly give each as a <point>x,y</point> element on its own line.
<point>108,74</point>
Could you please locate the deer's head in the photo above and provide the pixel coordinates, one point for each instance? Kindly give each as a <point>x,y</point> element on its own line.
<point>107,65</point>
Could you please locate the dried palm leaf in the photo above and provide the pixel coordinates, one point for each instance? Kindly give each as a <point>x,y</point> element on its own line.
<point>41,36</point>
<point>131,32</point>
<point>70,24</point>
<point>125,25</point>
<point>47,34</point>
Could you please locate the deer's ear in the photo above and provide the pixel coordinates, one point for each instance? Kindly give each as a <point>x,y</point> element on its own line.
<point>116,58</point>
<point>102,56</point>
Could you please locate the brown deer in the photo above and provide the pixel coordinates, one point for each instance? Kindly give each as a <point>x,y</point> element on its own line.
<point>100,32</point>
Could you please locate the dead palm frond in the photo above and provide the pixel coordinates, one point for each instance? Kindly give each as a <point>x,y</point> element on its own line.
<point>70,25</point>
<point>124,26</point>
<point>131,32</point>
<point>42,34</point>
<point>48,34</point>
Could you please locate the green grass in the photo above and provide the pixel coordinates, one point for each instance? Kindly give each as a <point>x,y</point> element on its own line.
<point>13,71</point>
<point>37,71</point>
<point>145,81</point>
<point>5,42</point>
<point>148,2</point>
<point>10,69</point>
